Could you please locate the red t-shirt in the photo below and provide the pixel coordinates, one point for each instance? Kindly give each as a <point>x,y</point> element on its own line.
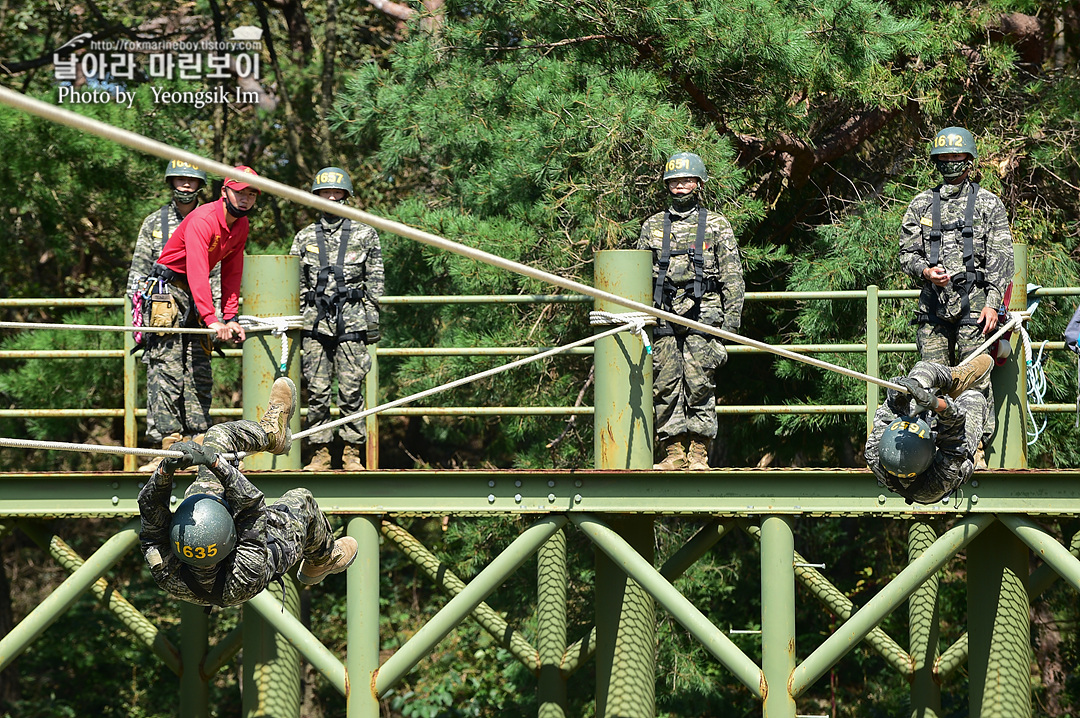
<point>201,241</point>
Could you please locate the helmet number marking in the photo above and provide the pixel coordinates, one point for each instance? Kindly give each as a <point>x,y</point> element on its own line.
<point>199,552</point>
<point>336,177</point>
<point>949,140</point>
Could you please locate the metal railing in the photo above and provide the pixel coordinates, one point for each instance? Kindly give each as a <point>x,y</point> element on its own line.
<point>872,348</point>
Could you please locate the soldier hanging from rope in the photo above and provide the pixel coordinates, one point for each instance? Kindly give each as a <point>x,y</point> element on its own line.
<point>697,273</point>
<point>955,238</point>
<point>224,545</point>
<point>342,280</point>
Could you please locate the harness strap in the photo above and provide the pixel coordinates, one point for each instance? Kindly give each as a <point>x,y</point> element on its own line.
<point>165,224</point>
<point>697,260</point>
<point>331,305</point>
<point>215,596</point>
<point>972,277</point>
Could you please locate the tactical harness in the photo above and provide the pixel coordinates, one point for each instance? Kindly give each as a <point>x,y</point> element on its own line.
<point>332,305</point>
<point>216,595</point>
<point>665,291</point>
<point>972,277</point>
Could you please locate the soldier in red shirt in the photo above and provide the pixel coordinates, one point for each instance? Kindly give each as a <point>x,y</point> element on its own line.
<point>178,365</point>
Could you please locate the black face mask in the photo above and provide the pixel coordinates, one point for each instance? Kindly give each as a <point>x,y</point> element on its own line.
<point>683,202</point>
<point>333,218</point>
<point>952,170</point>
<point>233,209</point>
<point>185,197</point>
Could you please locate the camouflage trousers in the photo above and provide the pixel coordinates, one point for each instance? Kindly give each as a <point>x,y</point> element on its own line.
<point>295,521</point>
<point>684,384</point>
<point>321,363</point>
<point>948,344</point>
<point>179,382</point>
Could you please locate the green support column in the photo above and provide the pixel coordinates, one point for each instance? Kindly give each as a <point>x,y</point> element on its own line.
<point>362,584</point>
<point>872,366</point>
<point>923,629</point>
<point>777,615</point>
<point>625,613</point>
<point>551,584</point>
<point>1008,448</point>
<point>999,631</point>
<point>194,634</point>
<point>371,398</point>
<point>131,393</point>
<point>270,288</point>
<point>271,687</point>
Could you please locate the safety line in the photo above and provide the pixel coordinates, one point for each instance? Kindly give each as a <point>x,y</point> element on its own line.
<point>160,149</point>
<point>257,325</point>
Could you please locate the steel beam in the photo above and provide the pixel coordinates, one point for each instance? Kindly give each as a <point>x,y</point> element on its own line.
<point>924,629</point>
<point>777,614</point>
<point>720,492</point>
<point>551,621</point>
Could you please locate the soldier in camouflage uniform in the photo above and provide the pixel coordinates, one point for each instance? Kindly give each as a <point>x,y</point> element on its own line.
<point>955,238</point>
<point>224,545</point>
<point>923,445</point>
<point>341,276</point>
<point>697,273</point>
<point>186,182</point>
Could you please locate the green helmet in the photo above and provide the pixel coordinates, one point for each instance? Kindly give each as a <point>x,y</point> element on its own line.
<point>953,140</point>
<point>907,448</point>
<point>202,531</point>
<point>332,178</point>
<point>179,168</point>
<point>685,164</point>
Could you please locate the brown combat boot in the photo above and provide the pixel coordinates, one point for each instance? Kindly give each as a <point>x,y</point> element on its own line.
<point>676,455</point>
<point>275,422</point>
<point>341,557</point>
<point>980,458</point>
<point>350,458</point>
<point>166,442</point>
<point>320,461</point>
<point>966,376</point>
<point>697,458</point>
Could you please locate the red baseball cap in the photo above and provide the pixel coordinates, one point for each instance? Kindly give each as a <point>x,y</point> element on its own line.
<point>237,184</point>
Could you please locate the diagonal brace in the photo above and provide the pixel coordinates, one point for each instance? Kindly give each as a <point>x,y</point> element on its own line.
<point>720,646</point>
<point>289,626</point>
<point>887,600</point>
<point>1045,546</point>
<point>67,593</point>
<point>454,612</point>
<point>488,618</point>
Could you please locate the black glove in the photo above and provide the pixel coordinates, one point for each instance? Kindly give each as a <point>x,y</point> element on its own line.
<point>923,397</point>
<point>193,455</point>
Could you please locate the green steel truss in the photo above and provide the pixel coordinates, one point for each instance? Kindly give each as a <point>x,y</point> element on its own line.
<point>998,510</point>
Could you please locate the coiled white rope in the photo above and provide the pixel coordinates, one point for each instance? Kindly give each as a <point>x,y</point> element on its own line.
<point>1036,388</point>
<point>635,321</point>
<point>278,326</point>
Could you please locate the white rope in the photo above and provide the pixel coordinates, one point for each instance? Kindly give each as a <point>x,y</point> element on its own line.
<point>99,449</point>
<point>104,328</point>
<point>1036,389</point>
<point>459,382</point>
<point>636,322</point>
<point>276,325</point>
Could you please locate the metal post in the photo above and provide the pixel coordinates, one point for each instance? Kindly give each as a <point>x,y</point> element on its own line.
<point>625,613</point>
<point>271,288</point>
<point>999,648</point>
<point>872,365</point>
<point>551,585</point>
<point>1008,448</point>
<point>923,629</point>
<point>371,398</point>
<point>194,638</point>
<point>131,393</point>
<point>271,685</point>
<point>362,583</point>
<point>777,614</point>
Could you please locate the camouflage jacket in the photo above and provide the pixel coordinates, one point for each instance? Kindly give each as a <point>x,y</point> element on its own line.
<point>252,565</point>
<point>957,431</point>
<point>148,248</point>
<point>723,263</point>
<point>363,270</point>
<point>992,245</point>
